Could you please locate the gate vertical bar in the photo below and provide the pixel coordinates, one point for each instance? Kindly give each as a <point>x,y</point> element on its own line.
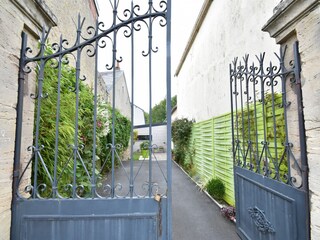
<point>169,163</point>
<point>274,123</point>
<point>285,106</point>
<point>132,103</point>
<point>93,178</point>
<point>248,98</point>
<point>297,71</point>
<point>232,118</point>
<point>302,132</point>
<point>76,126</point>
<point>37,123</point>
<point>150,98</point>
<point>56,152</point>
<point>18,135</point>
<point>114,50</point>
<point>264,151</point>
<point>242,118</point>
<point>256,155</point>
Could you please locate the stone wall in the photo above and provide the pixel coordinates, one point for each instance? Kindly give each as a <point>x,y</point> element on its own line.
<point>17,16</point>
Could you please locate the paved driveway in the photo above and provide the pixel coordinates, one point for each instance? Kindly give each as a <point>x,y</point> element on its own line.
<point>195,216</point>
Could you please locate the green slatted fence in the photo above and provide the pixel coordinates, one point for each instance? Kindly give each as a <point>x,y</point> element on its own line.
<point>212,142</point>
<point>222,148</point>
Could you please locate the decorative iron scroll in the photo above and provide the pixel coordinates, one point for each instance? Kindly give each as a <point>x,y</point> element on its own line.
<point>57,56</point>
<point>260,220</point>
<point>260,131</point>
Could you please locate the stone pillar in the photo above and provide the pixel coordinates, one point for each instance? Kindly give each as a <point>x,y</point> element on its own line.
<point>300,20</point>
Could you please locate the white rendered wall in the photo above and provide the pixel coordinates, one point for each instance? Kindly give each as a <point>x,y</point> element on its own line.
<point>159,136</point>
<point>138,118</point>
<point>231,29</point>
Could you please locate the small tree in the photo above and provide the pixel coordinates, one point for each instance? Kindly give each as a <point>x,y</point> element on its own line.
<point>159,110</point>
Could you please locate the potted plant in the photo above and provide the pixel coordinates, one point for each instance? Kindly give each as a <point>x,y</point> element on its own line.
<point>144,148</point>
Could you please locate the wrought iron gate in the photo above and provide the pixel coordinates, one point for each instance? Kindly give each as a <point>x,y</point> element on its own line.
<point>76,184</point>
<point>269,149</point>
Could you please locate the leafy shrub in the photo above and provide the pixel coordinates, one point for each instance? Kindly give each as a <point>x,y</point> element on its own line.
<point>135,135</point>
<point>66,132</point>
<point>144,145</point>
<point>144,148</point>
<point>216,188</point>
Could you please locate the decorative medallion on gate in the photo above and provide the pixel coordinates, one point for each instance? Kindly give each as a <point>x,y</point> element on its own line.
<point>260,220</point>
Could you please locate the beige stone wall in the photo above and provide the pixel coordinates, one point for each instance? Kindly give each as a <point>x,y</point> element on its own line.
<point>308,34</point>
<point>67,15</point>
<point>301,19</point>
<point>17,16</point>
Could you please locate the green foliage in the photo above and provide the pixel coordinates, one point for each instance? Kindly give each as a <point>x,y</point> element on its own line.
<point>144,148</point>
<point>135,135</point>
<point>146,117</point>
<point>159,110</point>
<point>188,161</point>
<point>181,135</point>
<point>67,137</point>
<point>174,101</point>
<point>122,129</point>
<point>275,142</point>
<point>136,155</point>
<point>216,188</point>
<point>144,145</point>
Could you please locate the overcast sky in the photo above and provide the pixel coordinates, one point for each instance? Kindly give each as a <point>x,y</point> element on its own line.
<point>184,14</point>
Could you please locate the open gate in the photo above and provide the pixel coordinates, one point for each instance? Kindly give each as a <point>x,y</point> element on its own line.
<point>269,151</point>
<point>77,184</point>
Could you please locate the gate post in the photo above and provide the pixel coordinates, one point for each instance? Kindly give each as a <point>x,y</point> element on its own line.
<point>298,20</point>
